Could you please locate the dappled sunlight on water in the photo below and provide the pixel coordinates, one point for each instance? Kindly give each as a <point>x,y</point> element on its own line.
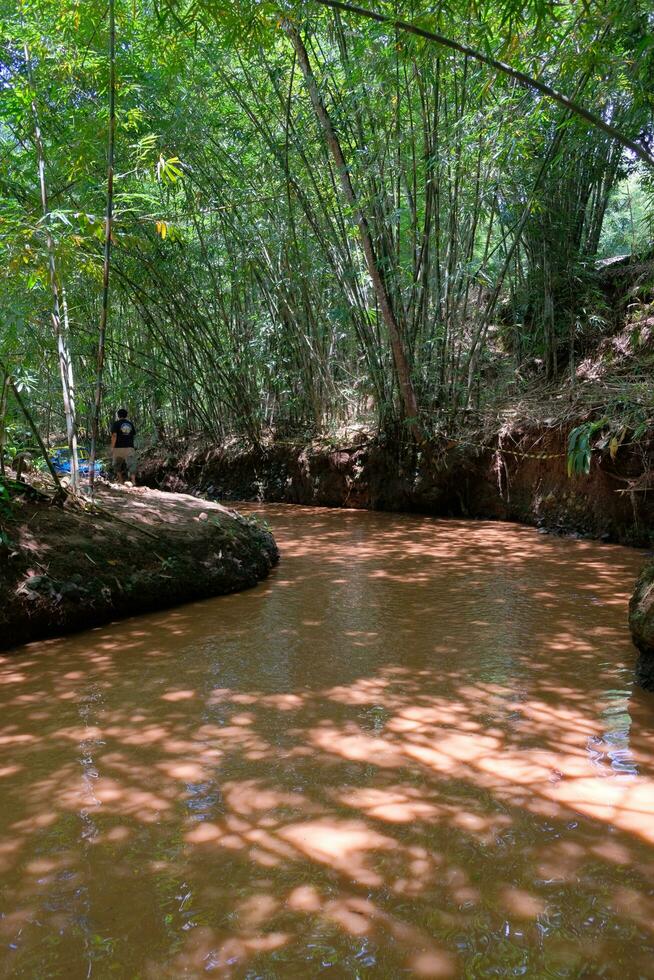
<point>416,749</point>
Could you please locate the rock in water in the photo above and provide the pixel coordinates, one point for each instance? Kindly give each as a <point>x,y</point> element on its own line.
<point>641,611</point>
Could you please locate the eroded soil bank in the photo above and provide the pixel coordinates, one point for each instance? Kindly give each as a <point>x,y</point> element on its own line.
<point>521,476</point>
<point>63,570</point>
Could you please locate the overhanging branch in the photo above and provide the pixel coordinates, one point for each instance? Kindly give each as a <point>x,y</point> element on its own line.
<point>521,77</point>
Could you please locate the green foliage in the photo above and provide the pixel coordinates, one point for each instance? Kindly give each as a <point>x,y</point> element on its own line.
<point>627,227</point>
<point>5,508</point>
<point>253,520</point>
<point>240,297</point>
<point>633,421</point>
<point>579,447</point>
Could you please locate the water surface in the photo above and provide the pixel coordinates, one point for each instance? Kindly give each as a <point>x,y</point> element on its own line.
<point>416,750</point>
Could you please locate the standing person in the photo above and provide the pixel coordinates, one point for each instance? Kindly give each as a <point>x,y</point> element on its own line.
<point>122,445</point>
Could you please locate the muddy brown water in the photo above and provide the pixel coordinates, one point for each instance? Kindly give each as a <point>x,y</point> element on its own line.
<point>416,750</point>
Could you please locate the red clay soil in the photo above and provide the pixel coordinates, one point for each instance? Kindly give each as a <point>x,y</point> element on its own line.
<point>523,478</point>
<point>65,569</point>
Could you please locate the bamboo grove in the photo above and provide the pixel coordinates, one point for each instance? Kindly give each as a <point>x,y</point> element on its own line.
<point>312,216</point>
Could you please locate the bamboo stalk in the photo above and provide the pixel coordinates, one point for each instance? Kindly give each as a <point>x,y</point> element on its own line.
<point>61,335</point>
<point>407,393</point>
<point>104,311</point>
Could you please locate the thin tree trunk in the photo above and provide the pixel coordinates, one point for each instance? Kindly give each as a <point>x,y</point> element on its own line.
<point>3,428</point>
<point>107,244</point>
<point>61,334</point>
<point>61,493</point>
<point>407,393</point>
<point>70,387</point>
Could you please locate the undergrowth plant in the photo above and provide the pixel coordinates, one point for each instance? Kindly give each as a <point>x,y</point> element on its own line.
<point>5,501</point>
<point>632,421</point>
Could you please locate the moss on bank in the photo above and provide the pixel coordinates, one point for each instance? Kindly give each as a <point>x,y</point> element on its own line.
<point>641,611</point>
<point>64,570</point>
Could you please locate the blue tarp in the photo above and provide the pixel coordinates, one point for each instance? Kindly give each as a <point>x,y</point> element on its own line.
<point>60,458</point>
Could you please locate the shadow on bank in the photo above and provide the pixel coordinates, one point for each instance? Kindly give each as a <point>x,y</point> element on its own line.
<point>66,569</point>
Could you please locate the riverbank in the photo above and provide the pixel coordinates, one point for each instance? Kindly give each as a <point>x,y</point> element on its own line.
<point>67,569</point>
<point>505,460</point>
<point>516,474</point>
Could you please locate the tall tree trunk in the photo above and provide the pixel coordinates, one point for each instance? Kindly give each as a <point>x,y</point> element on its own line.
<point>407,393</point>
<point>61,333</point>
<point>107,244</point>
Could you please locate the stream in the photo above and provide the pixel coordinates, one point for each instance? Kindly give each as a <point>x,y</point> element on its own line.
<point>416,750</point>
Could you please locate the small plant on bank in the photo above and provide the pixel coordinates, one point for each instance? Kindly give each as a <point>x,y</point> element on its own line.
<point>580,447</point>
<point>255,521</point>
<point>5,502</point>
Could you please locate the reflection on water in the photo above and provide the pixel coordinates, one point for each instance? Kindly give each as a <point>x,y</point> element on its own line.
<point>416,750</point>
<point>612,747</point>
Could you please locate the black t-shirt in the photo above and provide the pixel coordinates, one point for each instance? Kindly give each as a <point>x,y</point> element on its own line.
<point>125,433</point>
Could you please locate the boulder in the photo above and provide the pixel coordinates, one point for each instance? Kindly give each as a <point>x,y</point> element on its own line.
<point>641,611</point>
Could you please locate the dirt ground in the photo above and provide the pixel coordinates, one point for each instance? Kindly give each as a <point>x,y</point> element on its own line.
<point>63,569</point>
